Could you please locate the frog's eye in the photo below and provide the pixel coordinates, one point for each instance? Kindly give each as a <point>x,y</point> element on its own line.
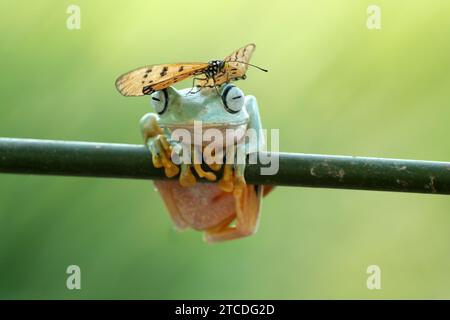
<point>160,100</point>
<point>233,98</point>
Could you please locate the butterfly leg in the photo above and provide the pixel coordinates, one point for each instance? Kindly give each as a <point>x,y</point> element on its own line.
<point>215,86</point>
<point>193,85</point>
<point>156,142</point>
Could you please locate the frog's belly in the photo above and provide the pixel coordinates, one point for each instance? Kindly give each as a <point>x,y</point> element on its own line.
<point>225,136</point>
<point>201,206</point>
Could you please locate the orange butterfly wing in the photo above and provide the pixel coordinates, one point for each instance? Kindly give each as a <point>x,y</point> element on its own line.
<point>244,54</point>
<point>233,70</point>
<point>146,80</point>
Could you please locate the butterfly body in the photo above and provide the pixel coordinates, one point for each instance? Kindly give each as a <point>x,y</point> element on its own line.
<point>149,79</point>
<point>214,68</point>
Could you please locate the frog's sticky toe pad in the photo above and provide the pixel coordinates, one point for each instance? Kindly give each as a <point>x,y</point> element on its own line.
<point>226,185</point>
<point>187,179</point>
<point>171,171</point>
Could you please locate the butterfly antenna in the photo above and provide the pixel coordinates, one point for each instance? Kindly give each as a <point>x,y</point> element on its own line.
<point>252,65</point>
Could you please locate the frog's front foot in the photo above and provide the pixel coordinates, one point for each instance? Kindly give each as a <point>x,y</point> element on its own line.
<point>158,145</point>
<point>161,151</point>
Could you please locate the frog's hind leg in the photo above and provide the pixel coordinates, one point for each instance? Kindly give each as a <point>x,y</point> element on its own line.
<point>221,226</point>
<point>267,189</point>
<point>247,208</point>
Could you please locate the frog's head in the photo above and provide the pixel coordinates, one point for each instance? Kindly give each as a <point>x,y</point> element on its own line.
<point>181,108</point>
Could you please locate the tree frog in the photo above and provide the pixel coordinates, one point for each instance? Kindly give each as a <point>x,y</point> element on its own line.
<point>224,209</point>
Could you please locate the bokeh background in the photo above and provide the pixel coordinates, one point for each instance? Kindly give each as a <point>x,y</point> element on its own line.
<point>334,87</point>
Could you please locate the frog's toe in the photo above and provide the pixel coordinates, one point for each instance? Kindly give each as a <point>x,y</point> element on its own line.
<point>239,181</point>
<point>215,166</point>
<point>226,185</point>
<point>166,147</point>
<point>170,168</point>
<point>210,176</point>
<point>239,185</point>
<point>187,179</point>
<point>156,161</point>
<point>171,171</point>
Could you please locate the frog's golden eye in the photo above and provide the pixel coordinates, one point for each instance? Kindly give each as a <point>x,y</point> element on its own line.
<point>160,100</point>
<point>233,98</point>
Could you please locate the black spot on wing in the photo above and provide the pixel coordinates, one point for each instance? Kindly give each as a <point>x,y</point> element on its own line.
<point>164,71</point>
<point>147,90</point>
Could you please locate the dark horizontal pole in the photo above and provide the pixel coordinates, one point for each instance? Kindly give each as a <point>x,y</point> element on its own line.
<point>70,158</point>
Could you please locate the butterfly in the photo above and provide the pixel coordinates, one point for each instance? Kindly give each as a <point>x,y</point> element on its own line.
<point>146,80</point>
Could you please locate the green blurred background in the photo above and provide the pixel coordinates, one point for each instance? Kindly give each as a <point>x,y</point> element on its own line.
<point>334,87</point>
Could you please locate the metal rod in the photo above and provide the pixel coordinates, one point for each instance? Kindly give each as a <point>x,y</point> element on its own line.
<point>70,158</point>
